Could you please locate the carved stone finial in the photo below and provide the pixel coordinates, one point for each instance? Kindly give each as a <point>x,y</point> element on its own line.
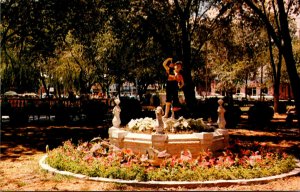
<point>159,124</point>
<point>221,118</point>
<point>116,121</point>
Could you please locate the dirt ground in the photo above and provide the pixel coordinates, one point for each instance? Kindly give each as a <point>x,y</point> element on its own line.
<point>22,147</point>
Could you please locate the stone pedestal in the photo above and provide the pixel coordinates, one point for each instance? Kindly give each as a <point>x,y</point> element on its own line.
<point>159,141</point>
<point>137,142</point>
<point>116,121</point>
<point>173,144</point>
<point>206,140</point>
<point>180,142</point>
<point>221,115</point>
<point>225,134</point>
<point>111,130</point>
<point>117,136</point>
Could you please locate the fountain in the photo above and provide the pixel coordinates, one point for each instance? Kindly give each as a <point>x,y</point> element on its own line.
<point>172,143</point>
<point>154,148</point>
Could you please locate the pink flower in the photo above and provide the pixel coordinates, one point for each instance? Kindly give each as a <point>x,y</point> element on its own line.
<point>144,158</point>
<point>127,164</point>
<point>212,161</point>
<point>228,162</point>
<point>186,155</point>
<point>88,158</point>
<point>220,160</point>
<point>263,144</point>
<point>253,159</point>
<point>245,152</point>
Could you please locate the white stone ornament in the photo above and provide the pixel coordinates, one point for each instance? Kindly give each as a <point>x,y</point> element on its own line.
<point>221,118</point>
<point>159,124</point>
<point>116,121</point>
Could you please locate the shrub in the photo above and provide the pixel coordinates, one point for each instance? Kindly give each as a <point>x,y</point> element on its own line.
<point>6,108</point>
<point>94,110</point>
<point>232,115</point>
<point>18,116</point>
<point>44,109</point>
<point>60,112</point>
<point>282,107</point>
<point>260,114</point>
<point>130,109</point>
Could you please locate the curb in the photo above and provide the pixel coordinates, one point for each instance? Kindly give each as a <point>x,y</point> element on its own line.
<point>294,172</point>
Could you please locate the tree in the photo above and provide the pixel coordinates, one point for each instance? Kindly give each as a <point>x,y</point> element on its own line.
<point>179,27</point>
<point>39,29</point>
<point>280,34</point>
<point>236,50</point>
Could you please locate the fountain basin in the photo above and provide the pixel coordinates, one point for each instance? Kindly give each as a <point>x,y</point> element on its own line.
<point>172,143</point>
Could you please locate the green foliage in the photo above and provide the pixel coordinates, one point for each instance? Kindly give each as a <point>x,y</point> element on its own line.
<point>73,44</point>
<point>296,47</point>
<point>114,163</point>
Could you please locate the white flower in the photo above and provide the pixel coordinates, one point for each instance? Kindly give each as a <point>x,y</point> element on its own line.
<point>141,124</point>
<point>185,124</point>
<point>142,128</point>
<point>144,157</point>
<point>177,124</point>
<point>253,159</point>
<point>132,124</point>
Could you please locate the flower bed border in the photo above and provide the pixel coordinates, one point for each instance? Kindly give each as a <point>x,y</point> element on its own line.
<point>294,172</point>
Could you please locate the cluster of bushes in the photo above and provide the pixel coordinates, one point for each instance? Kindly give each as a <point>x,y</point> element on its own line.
<point>260,114</point>
<point>16,115</point>
<point>93,110</point>
<point>130,109</point>
<point>208,111</point>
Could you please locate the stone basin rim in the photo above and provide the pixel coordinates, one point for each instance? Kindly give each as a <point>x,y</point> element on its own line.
<point>294,172</point>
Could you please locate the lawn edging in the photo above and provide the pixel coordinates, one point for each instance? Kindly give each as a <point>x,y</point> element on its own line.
<point>294,172</point>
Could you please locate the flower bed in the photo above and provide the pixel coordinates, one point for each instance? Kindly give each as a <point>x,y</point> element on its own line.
<point>101,159</point>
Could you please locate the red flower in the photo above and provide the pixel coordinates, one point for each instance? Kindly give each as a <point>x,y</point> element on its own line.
<point>245,152</point>
<point>284,155</point>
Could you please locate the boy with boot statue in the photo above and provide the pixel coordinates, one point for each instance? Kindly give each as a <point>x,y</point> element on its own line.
<point>174,82</point>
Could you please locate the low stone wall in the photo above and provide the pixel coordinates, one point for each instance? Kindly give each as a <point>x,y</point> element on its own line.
<point>172,143</point>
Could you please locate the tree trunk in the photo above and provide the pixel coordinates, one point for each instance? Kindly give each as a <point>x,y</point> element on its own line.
<point>277,84</point>
<point>189,87</point>
<point>287,52</point>
<point>276,74</point>
<point>45,86</point>
<point>284,43</point>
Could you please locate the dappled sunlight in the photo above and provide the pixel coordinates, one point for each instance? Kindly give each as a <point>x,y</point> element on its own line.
<point>10,151</point>
<point>19,141</point>
<point>251,132</point>
<point>284,144</point>
<point>286,139</point>
<point>21,147</point>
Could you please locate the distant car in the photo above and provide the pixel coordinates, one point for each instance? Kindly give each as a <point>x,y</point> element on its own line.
<point>215,95</point>
<point>199,97</point>
<point>240,96</point>
<point>30,95</point>
<point>44,95</point>
<point>264,97</point>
